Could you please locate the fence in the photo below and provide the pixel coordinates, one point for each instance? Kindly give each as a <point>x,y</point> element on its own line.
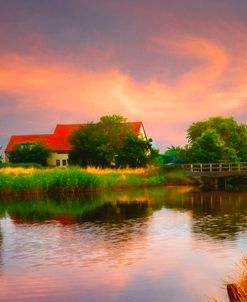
<point>215,167</point>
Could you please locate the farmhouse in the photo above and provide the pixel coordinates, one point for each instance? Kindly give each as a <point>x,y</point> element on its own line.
<point>58,141</point>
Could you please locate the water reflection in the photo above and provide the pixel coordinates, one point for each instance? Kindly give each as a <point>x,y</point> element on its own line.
<point>220,215</point>
<point>146,245</point>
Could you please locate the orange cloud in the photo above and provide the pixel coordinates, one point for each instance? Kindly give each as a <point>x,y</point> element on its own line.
<point>57,87</point>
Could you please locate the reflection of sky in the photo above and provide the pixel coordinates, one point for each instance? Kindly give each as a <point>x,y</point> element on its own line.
<point>154,259</point>
<point>165,63</point>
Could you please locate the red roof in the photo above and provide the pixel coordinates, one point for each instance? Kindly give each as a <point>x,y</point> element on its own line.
<point>67,129</point>
<point>58,141</point>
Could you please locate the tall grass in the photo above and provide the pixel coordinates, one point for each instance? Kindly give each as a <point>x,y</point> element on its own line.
<point>242,282</point>
<point>136,171</point>
<point>18,170</point>
<point>239,288</point>
<point>74,179</point>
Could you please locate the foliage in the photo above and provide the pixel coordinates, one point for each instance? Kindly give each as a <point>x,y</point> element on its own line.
<point>29,153</point>
<point>207,147</point>
<point>159,159</point>
<point>217,139</point>
<point>135,152</point>
<point>175,155</point>
<point>110,142</point>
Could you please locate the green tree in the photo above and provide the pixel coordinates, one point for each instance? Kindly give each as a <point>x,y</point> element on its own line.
<point>217,139</point>
<point>232,135</point>
<point>135,152</point>
<point>207,147</point>
<point>158,158</point>
<point>110,142</point>
<point>29,153</point>
<point>176,155</point>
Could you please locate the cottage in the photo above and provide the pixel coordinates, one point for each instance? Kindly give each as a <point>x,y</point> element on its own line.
<point>58,141</point>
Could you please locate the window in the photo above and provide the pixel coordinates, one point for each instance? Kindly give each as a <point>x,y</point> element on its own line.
<point>58,162</point>
<point>64,162</point>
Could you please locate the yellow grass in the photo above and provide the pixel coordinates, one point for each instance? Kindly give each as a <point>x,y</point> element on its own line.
<point>126,171</point>
<point>241,283</point>
<point>18,170</point>
<point>92,170</point>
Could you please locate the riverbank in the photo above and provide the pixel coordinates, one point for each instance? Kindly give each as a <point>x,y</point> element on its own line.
<point>72,180</point>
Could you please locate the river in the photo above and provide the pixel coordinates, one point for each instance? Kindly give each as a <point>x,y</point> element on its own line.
<point>173,244</point>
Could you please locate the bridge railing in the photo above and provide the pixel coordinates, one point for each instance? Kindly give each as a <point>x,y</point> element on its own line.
<point>215,167</point>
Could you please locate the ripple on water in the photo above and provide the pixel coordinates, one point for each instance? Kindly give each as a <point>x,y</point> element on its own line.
<point>176,248</point>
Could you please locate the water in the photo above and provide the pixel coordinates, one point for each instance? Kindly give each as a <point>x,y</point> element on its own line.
<point>148,245</point>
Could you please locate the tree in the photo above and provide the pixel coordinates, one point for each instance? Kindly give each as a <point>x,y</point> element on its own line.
<point>29,152</point>
<point>135,152</point>
<point>217,139</point>
<point>233,137</point>
<point>110,142</point>
<point>175,155</point>
<point>207,147</point>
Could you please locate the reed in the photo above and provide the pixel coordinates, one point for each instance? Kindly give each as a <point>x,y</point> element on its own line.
<point>136,171</point>
<point>74,179</point>
<point>237,290</point>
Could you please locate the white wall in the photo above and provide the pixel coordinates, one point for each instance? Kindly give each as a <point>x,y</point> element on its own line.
<point>52,160</point>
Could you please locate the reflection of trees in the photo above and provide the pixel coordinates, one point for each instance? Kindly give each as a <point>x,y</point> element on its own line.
<point>220,215</point>
<point>105,226</point>
<point>118,211</point>
<point>40,209</point>
<point>78,208</point>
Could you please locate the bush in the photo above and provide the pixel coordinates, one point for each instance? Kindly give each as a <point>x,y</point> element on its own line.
<point>29,152</point>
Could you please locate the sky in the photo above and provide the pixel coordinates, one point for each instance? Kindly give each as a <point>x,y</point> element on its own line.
<point>165,63</point>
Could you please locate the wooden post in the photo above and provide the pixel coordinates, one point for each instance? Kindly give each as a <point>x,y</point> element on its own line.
<point>216,183</point>
<point>210,167</point>
<point>232,292</point>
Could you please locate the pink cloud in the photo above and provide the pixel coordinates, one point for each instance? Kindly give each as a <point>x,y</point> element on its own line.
<point>64,92</point>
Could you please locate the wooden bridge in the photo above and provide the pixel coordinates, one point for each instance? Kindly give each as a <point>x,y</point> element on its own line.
<point>215,170</point>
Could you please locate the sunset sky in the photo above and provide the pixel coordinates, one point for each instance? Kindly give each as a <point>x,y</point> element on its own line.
<point>165,63</point>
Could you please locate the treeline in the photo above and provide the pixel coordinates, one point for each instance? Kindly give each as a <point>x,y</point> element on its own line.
<point>113,142</point>
<point>216,140</point>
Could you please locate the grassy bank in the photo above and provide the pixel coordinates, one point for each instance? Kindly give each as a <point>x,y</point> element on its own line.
<point>76,180</point>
